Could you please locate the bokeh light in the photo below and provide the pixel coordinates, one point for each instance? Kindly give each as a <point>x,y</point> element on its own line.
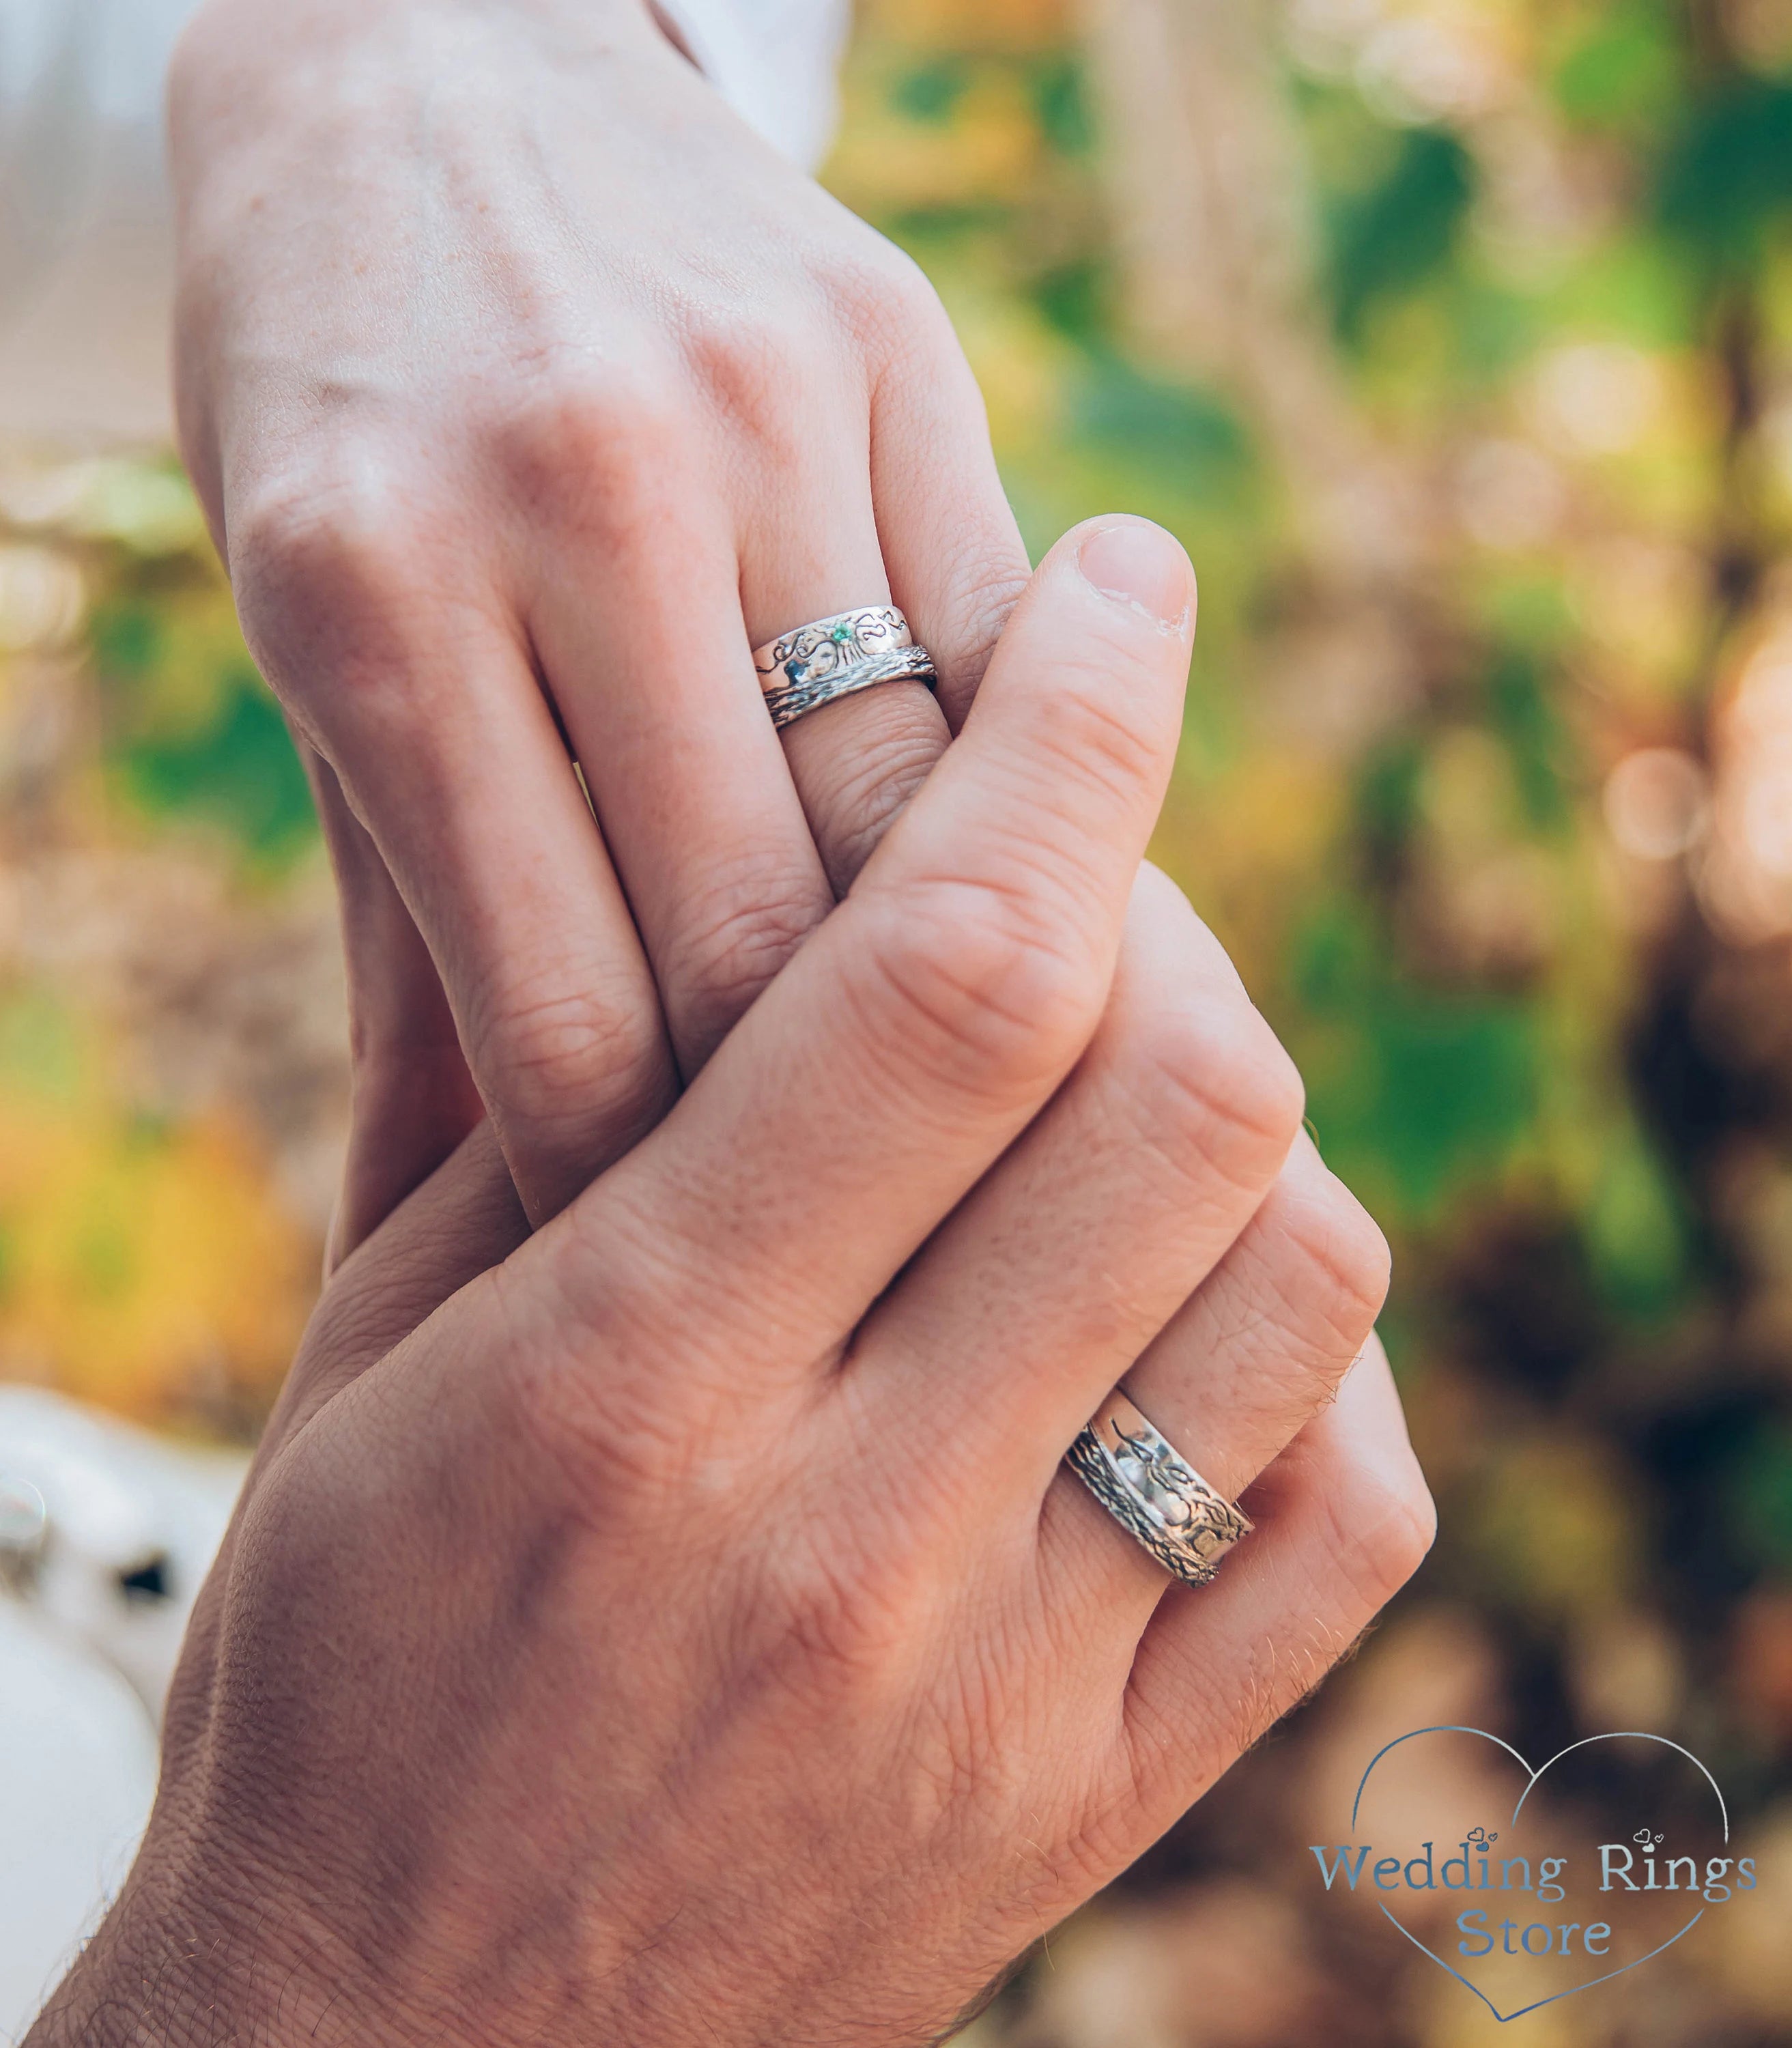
<point>1455,339</point>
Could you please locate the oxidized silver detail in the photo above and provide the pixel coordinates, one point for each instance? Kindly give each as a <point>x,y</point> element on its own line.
<point>1153,1491</point>
<point>834,658</point>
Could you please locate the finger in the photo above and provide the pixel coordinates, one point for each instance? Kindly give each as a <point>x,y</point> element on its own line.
<point>1258,1350</point>
<point>956,560</point>
<point>1071,1255</point>
<point>936,530</point>
<point>856,762</point>
<point>1251,1357</point>
<point>1343,1520</point>
<point>415,688</point>
<point>638,627</point>
<point>413,1098</point>
<point>914,1038</point>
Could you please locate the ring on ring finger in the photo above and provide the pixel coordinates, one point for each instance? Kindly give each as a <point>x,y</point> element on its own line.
<point>1153,1493</point>
<point>836,656</point>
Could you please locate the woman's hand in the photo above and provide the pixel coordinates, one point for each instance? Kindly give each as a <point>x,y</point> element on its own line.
<point>527,391</point>
<point>689,1633</point>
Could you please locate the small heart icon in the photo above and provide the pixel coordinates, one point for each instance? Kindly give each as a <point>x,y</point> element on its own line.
<point>1480,1839</point>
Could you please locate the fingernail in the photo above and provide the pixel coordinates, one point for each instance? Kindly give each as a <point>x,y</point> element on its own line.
<point>1137,563</point>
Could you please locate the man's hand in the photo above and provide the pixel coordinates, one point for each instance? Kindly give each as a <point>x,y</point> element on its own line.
<point>689,1633</point>
<point>527,391</point>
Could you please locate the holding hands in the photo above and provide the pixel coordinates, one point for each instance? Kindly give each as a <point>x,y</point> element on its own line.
<point>660,1611</point>
<point>527,391</point>
<point>687,1631</point>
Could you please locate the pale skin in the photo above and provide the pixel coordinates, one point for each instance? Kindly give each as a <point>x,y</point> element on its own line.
<point>686,1631</point>
<point>526,391</point>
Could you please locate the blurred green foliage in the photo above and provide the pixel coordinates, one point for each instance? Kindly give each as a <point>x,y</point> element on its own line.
<point>1482,771</point>
<point>1391,235</point>
<point>191,731</point>
<point>1485,811</point>
<point>1556,297</point>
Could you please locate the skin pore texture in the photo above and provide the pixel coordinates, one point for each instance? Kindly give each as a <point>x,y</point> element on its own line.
<point>675,1624</point>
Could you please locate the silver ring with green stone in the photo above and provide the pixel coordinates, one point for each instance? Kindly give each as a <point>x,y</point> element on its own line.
<point>837,656</point>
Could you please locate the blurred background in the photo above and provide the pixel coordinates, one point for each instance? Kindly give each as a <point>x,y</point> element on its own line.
<point>1455,339</point>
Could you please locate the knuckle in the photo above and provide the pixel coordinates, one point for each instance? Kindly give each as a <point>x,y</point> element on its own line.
<point>764,370</point>
<point>974,989</point>
<point>1342,1259</point>
<point>635,1468</point>
<point>331,543</point>
<point>892,274</point>
<point>988,585</point>
<point>1218,1087</point>
<point>590,446</point>
<point>1381,1525</point>
<point>557,1053</point>
<point>589,1384</point>
<point>891,304</point>
<point>735,934</point>
<point>853,796</point>
<point>854,1597</point>
<point>851,1613</point>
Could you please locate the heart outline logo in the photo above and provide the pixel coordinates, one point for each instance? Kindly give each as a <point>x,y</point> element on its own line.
<point>1532,1776</point>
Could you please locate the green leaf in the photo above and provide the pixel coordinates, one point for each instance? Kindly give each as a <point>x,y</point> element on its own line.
<point>1062,107</point>
<point>1761,1496</point>
<point>1162,427</point>
<point>1522,711</point>
<point>1635,1235</point>
<point>1390,239</point>
<point>1419,1092</point>
<point>1623,75</point>
<point>238,771</point>
<point>1726,183</point>
<point>930,92</point>
<point>40,1049</point>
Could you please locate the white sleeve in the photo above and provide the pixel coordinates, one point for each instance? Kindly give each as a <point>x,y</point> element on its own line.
<point>774,61</point>
<point>86,226</point>
<point>86,239</point>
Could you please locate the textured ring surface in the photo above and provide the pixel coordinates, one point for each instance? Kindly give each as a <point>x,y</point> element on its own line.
<point>834,658</point>
<point>1153,1491</point>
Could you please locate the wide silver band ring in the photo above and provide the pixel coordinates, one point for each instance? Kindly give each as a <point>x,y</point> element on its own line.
<point>1153,1491</point>
<point>834,658</point>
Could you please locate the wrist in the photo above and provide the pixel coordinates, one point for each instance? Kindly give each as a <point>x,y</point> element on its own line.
<point>177,1965</point>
